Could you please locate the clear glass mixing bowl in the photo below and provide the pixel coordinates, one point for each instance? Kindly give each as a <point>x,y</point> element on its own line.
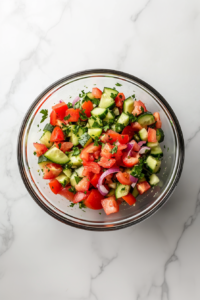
<point>67,89</point>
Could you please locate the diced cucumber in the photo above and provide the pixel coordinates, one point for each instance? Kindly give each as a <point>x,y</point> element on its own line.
<point>122,190</point>
<point>63,179</point>
<point>99,112</point>
<point>110,116</point>
<point>49,127</point>
<point>135,192</point>
<point>157,151</point>
<point>116,111</point>
<point>43,161</point>
<point>67,172</point>
<point>110,92</point>
<point>57,156</point>
<point>85,140</point>
<point>111,193</point>
<point>95,122</point>
<point>73,179</point>
<point>143,134</point>
<point>75,161</point>
<point>79,171</point>
<point>74,138</point>
<point>71,127</point>
<point>152,145</point>
<point>123,119</point>
<point>94,132</point>
<point>90,96</point>
<point>136,137</point>
<point>128,105</point>
<point>106,101</point>
<point>153,179</point>
<point>153,164</point>
<point>45,139</point>
<point>160,135</point>
<point>117,127</point>
<point>146,119</point>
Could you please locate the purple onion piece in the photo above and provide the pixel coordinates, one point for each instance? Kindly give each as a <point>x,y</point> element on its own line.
<point>143,150</point>
<point>75,100</point>
<point>103,191</point>
<point>141,143</point>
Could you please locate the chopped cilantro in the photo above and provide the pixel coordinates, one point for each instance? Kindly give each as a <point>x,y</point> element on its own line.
<point>76,151</point>
<point>72,204</point>
<point>123,189</point>
<point>114,150</point>
<point>67,117</point>
<point>118,84</point>
<point>59,145</point>
<point>105,128</point>
<point>120,96</point>
<point>81,205</point>
<point>83,115</point>
<point>132,118</point>
<point>45,114</point>
<point>137,169</point>
<point>133,96</point>
<point>95,101</point>
<point>142,109</point>
<point>77,104</point>
<point>34,153</point>
<point>78,179</point>
<point>85,192</point>
<point>97,142</point>
<point>69,104</point>
<point>72,189</point>
<point>112,95</point>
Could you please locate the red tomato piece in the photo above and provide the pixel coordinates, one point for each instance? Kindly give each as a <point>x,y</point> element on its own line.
<point>55,186</point>
<point>67,194</point>
<point>64,146</point>
<point>74,114</point>
<point>158,124</point>
<point>156,116</point>
<point>83,185</point>
<point>87,173</point>
<point>118,156</point>
<point>136,147</point>
<point>96,93</point>
<point>92,167</point>
<point>60,109</point>
<point>112,136</point>
<point>91,157</point>
<point>137,108</point>
<point>53,118</point>
<point>97,154</point>
<point>107,162</point>
<point>136,126</point>
<point>79,196</point>
<point>119,100</point>
<point>89,149</point>
<point>57,135</point>
<point>106,151</point>
<point>87,107</point>
<point>110,205</point>
<point>124,178</point>
<point>94,200</point>
<point>40,149</point>
<point>95,179</point>
<point>129,130</point>
<point>130,199</point>
<point>152,135</point>
<point>143,187</point>
<point>121,146</point>
<point>51,171</point>
<point>130,161</point>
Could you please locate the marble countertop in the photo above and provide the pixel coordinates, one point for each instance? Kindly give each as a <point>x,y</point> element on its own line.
<point>42,41</point>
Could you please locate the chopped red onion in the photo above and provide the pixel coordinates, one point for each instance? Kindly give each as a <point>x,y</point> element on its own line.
<point>75,100</point>
<point>141,143</point>
<point>129,149</point>
<point>100,186</point>
<point>133,184</point>
<point>143,150</point>
<point>61,101</point>
<point>133,179</point>
<point>102,190</point>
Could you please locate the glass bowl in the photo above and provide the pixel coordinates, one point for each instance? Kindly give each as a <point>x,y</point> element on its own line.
<point>58,207</point>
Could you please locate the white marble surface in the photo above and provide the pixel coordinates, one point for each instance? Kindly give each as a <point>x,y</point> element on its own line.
<point>42,41</point>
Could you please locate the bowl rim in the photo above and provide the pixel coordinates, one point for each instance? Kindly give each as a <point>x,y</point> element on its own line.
<point>76,224</point>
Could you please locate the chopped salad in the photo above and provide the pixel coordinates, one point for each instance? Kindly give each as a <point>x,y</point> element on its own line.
<point>101,150</point>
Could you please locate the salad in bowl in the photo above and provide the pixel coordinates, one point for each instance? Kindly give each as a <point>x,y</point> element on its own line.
<point>101,150</point>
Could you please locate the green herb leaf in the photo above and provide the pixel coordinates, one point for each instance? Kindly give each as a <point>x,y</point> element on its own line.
<point>59,145</point>
<point>137,169</point>
<point>72,204</point>
<point>132,118</point>
<point>81,205</point>
<point>45,114</point>
<point>34,153</point>
<point>83,115</point>
<point>114,150</point>
<point>67,117</point>
<point>76,151</point>
<point>78,179</point>
<point>69,104</point>
<point>72,189</point>
<point>118,84</point>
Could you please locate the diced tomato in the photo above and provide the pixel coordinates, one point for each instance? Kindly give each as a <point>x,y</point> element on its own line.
<point>128,130</point>
<point>130,161</point>
<point>87,107</point>
<point>57,135</point>
<point>94,200</point>
<point>67,194</point>
<point>64,146</point>
<point>79,196</point>
<point>106,150</point>
<point>87,173</point>
<point>156,116</point>
<point>124,178</point>
<point>51,171</point>
<point>143,187</point>
<point>152,135</point>
<point>110,205</point>
<point>96,93</point>
<point>158,124</point>
<point>60,109</point>
<point>107,162</point>
<point>74,114</point>
<point>40,149</point>
<point>119,100</point>
<point>120,201</point>
<point>92,167</point>
<point>136,147</point>
<point>95,179</point>
<point>89,149</point>
<point>91,157</point>
<point>55,186</point>
<point>53,118</point>
<point>137,108</point>
<point>118,156</point>
<point>121,146</point>
<point>130,199</point>
<point>83,185</point>
<point>96,154</point>
<point>136,126</point>
<point>112,136</point>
